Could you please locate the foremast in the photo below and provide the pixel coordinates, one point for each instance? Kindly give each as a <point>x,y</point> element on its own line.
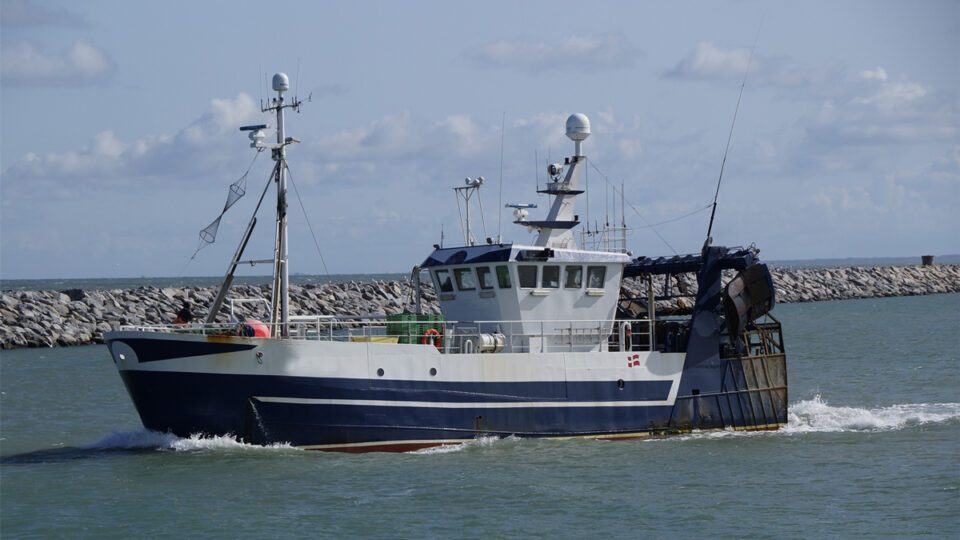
<point>280,296</point>
<point>280,290</point>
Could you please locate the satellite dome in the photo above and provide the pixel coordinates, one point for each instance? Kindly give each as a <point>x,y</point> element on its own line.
<point>578,127</point>
<point>281,83</point>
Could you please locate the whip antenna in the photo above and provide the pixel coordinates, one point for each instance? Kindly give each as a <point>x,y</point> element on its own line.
<point>723,163</point>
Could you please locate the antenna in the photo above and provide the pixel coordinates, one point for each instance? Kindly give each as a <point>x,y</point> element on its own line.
<point>296,89</point>
<point>503,124</point>
<point>723,163</point>
<point>536,167</point>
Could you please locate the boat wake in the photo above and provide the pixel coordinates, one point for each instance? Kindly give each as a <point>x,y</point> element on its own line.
<point>817,416</point>
<point>480,442</point>
<point>146,440</point>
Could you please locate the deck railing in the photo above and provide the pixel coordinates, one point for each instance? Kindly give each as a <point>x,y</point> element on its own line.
<point>449,337</point>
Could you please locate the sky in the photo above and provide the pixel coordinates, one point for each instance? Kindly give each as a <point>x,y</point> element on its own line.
<point>119,139</point>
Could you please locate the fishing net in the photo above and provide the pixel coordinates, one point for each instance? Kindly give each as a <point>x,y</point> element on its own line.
<point>238,189</point>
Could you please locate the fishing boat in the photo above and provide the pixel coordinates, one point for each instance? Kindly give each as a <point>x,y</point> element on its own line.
<point>538,339</point>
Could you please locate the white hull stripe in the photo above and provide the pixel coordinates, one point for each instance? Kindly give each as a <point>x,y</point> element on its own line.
<point>375,444</point>
<point>460,405</point>
<point>451,442</point>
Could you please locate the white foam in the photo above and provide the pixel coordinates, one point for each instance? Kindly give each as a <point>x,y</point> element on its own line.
<point>145,439</point>
<point>481,442</point>
<point>816,415</point>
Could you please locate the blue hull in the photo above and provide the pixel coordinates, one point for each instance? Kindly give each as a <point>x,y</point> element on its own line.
<point>725,384</point>
<point>315,412</point>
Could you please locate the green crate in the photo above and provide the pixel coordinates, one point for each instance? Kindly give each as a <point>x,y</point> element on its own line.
<point>429,320</point>
<point>405,326</point>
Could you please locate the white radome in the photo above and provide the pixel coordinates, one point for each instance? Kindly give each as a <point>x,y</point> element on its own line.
<point>578,127</point>
<point>281,83</point>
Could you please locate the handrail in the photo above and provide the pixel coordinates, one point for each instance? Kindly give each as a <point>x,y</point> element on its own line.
<point>539,335</point>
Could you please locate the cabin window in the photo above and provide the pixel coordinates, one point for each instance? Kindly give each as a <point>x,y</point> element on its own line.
<point>596,276</point>
<point>574,277</point>
<point>528,276</point>
<point>485,277</point>
<point>465,279</point>
<point>503,276</point>
<point>551,277</point>
<point>444,281</point>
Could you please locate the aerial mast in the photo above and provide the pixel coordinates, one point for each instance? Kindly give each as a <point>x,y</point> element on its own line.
<point>280,300</point>
<point>471,186</point>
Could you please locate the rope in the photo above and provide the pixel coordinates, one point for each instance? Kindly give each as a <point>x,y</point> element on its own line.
<point>697,211</point>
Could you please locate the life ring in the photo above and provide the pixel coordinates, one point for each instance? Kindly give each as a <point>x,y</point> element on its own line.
<point>432,335</point>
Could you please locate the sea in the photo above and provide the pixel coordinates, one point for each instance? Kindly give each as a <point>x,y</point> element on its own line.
<point>872,449</point>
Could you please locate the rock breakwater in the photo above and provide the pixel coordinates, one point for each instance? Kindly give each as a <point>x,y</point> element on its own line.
<point>76,317</point>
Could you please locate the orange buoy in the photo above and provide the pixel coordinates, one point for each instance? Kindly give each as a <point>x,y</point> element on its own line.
<point>253,328</point>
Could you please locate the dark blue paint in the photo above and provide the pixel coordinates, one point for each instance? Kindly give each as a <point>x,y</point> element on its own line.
<point>152,350</point>
<point>187,403</point>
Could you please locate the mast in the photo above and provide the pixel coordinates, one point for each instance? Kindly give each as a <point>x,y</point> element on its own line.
<point>280,295</point>
<point>555,230</point>
<point>471,185</point>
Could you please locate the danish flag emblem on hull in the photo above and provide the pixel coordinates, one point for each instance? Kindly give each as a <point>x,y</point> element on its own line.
<point>633,361</point>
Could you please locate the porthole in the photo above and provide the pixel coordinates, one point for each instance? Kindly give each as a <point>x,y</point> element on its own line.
<point>433,372</point>
<point>380,372</point>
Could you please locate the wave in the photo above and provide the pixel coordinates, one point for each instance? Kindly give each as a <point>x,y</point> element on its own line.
<point>145,439</point>
<point>817,416</point>
<point>485,441</point>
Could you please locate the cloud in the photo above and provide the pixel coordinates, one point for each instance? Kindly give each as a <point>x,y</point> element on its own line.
<point>878,74</point>
<point>890,95</point>
<point>884,111</point>
<point>592,53</point>
<point>26,14</point>
<point>709,62</point>
<point>24,63</point>
<point>106,162</point>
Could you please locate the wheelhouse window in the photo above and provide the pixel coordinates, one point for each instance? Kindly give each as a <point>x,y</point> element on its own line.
<point>596,276</point>
<point>574,277</point>
<point>503,276</point>
<point>527,275</point>
<point>443,280</point>
<point>551,277</point>
<point>485,277</point>
<point>465,279</point>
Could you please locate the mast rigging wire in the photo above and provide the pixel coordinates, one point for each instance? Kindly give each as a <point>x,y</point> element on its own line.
<point>306,217</point>
<point>652,227</point>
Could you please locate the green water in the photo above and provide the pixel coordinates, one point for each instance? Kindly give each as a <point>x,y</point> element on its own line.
<point>871,450</point>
